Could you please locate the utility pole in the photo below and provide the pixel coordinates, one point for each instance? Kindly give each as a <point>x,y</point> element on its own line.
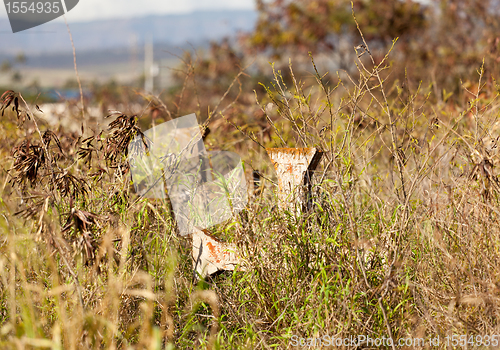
<point>133,56</point>
<point>148,64</point>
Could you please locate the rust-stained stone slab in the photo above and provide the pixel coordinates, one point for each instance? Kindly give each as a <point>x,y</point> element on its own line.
<point>294,167</point>
<point>211,255</point>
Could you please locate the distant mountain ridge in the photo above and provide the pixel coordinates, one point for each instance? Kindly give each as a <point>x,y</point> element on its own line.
<point>173,29</point>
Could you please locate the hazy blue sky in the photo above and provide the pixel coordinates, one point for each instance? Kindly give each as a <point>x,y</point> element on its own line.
<point>87,10</point>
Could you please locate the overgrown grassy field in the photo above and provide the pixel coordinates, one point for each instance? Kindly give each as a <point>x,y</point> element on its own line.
<point>402,241</point>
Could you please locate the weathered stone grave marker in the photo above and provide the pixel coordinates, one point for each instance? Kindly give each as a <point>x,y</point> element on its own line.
<point>294,168</point>
<point>171,157</point>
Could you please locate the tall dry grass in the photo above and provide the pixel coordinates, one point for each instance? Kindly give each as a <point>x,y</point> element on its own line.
<point>402,240</point>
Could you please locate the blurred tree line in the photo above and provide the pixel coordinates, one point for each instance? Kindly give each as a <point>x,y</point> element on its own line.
<point>439,42</point>
<point>448,38</point>
<point>287,26</point>
<point>442,42</point>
